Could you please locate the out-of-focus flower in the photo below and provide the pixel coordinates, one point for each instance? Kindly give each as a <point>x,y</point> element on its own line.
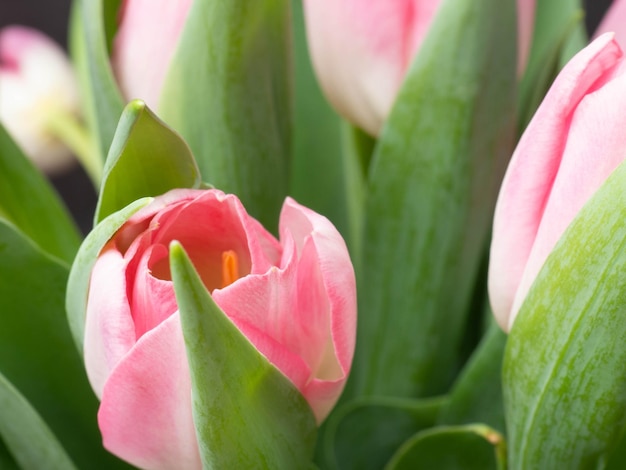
<point>145,43</point>
<point>294,299</point>
<point>37,87</point>
<point>573,143</point>
<point>614,21</point>
<point>361,50</point>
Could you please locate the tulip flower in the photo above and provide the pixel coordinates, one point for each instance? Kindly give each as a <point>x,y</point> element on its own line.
<point>361,50</point>
<point>572,144</point>
<point>614,21</point>
<point>37,89</point>
<point>293,298</point>
<point>145,43</point>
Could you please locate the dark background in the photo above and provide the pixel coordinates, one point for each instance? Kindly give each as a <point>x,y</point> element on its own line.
<point>51,16</point>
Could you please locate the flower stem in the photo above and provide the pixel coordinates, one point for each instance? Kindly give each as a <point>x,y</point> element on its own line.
<point>72,132</point>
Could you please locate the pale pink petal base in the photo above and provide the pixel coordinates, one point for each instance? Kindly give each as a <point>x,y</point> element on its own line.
<point>109,327</point>
<point>361,51</point>
<point>145,415</point>
<point>144,46</point>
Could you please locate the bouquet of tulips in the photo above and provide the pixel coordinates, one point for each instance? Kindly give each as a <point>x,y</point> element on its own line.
<point>432,278</point>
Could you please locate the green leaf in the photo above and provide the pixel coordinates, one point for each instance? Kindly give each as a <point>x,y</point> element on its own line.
<point>104,97</point>
<point>477,394</point>
<point>364,433</point>
<point>80,274</point>
<point>146,158</point>
<point>557,37</point>
<point>37,354</point>
<point>565,362</point>
<point>247,413</point>
<point>27,435</point>
<point>28,201</point>
<point>358,148</point>
<point>474,447</point>
<point>6,460</point>
<point>317,173</point>
<point>231,98</point>
<point>432,187</point>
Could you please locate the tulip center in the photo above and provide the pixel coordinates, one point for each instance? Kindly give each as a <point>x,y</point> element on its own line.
<point>230,268</point>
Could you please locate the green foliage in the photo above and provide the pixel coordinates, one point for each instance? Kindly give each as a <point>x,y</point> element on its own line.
<point>236,114</point>
<point>565,363</point>
<point>432,186</point>
<point>247,414</point>
<point>28,201</point>
<point>472,447</point>
<point>146,158</point>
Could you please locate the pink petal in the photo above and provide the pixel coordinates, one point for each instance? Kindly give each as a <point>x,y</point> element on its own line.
<point>532,172</point>
<point>594,148</point>
<point>361,50</point>
<point>153,299</point>
<point>614,21</point>
<point>145,45</point>
<point>145,415</point>
<point>324,248</point>
<point>109,328</point>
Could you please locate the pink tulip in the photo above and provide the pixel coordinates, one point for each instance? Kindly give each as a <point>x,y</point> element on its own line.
<point>37,84</point>
<point>145,44</point>
<point>572,144</point>
<point>294,299</point>
<point>614,21</point>
<point>361,50</point>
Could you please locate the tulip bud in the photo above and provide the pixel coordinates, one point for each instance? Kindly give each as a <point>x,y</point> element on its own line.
<point>37,88</point>
<point>572,144</point>
<point>293,298</point>
<point>361,50</point>
<point>145,43</point>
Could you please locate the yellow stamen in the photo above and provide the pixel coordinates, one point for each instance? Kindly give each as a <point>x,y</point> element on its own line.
<point>230,268</point>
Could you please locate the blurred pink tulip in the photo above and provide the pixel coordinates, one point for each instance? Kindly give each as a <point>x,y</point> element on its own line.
<point>361,50</point>
<point>614,21</point>
<point>145,44</point>
<point>37,84</point>
<point>294,299</point>
<point>572,144</point>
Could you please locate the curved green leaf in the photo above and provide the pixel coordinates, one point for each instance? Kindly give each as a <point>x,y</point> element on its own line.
<point>80,274</point>
<point>231,98</point>
<point>31,442</point>
<point>28,201</point>
<point>105,99</point>
<point>146,158</point>
<point>477,394</point>
<point>432,188</point>
<point>565,362</point>
<point>472,447</point>
<point>247,414</point>
<point>37,354</point>
<point>364,433</point>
